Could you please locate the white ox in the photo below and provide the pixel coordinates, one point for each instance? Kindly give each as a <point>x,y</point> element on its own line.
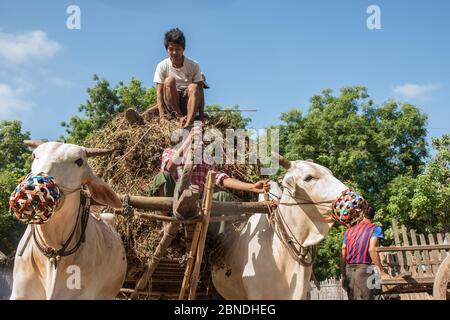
<point>100,261</point>
<point>261,266</point>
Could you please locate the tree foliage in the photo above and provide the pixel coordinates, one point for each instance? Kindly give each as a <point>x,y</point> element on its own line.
<point>230,117</point>
<point>103,103</point>
<point>423,202</point>
<point>15,161</point>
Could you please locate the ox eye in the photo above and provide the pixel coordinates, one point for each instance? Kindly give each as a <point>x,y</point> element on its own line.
<point>33,155</point>
<point>79,162</point>
<point>309,178</point>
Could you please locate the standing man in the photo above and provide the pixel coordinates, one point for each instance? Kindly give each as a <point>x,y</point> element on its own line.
<point>179,85</point>
<point>358,253</point>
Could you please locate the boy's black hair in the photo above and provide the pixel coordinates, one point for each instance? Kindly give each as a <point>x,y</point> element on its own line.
<point>370,212</point>
<point>176,36</point>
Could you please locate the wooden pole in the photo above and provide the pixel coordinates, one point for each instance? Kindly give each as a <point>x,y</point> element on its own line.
<point>190,261</point>
<point>164,204</point>
<point>206,213</point>
<point>192,252</point>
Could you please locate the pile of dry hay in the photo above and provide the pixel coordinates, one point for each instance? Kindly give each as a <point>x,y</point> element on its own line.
<point>131,168</point>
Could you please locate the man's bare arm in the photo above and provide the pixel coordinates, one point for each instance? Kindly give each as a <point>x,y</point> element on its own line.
<point>258,187</point>
<point>374,243</point>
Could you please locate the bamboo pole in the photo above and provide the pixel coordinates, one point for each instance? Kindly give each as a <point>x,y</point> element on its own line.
<point>206,213</point>
<point>190,261</point>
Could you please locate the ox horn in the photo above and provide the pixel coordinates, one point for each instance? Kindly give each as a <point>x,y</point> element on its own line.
<point>95,152</point>
<point>33,143</point>
<point>283,162</point>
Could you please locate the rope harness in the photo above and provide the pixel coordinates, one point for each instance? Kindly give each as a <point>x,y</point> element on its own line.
<point>303,255</point>
<point>346,209</point>
<point>54,255</point>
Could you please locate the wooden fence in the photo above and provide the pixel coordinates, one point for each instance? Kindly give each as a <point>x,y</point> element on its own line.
<point>330,289</point>
<point>412,262</point>
<point>414,256</point>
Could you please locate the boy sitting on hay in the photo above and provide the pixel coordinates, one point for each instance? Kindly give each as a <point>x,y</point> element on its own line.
<point>172,160</point>
<point>179,85</point>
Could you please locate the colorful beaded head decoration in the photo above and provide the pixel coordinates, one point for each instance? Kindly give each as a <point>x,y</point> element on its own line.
<point>348,207</point>
<point>35,199</point>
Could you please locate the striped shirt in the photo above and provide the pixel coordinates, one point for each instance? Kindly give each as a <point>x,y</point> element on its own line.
<point>356,241</point>
<point>199,171</point>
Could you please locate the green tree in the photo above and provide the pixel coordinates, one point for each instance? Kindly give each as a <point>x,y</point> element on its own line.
<point>104,103</point>
<point>15,161</point>
<point>423,202</point>
<point>366,146</point>
<point>226,118</point>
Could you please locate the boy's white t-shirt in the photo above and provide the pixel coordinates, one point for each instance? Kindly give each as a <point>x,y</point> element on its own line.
<point>190,72</point>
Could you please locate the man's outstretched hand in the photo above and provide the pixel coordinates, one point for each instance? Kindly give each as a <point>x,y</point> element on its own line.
<point>261,186</point>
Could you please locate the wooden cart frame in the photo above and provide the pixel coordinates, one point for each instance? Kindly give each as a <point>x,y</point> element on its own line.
<point>416,263</point>
<point>161,277</point>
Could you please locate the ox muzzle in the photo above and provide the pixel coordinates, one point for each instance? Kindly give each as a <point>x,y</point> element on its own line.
<point>35,199</point>
<point>348,207</point>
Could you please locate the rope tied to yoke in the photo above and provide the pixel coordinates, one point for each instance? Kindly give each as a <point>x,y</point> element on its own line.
<point>54,255</point>
<point>303,255</point>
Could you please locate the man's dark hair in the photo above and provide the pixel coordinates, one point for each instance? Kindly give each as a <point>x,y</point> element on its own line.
<point>175,36</point>
<point>370,212</point>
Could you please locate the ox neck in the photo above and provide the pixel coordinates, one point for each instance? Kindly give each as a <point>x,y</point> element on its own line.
<point>297,218</point>
<point>57,230</point>
<point>283,259</point>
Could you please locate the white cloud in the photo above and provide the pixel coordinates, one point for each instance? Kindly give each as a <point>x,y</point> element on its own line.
<point>413,91</point>
<point>60,82</point>
<point>25,46</point>
<point>12,101</point>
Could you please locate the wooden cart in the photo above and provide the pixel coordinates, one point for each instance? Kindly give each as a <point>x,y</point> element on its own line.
<point>162,278</point>
<point>418,265</point>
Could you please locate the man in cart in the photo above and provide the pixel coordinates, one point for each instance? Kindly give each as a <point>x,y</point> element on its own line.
<point>358,254</point>
<point>172,161</point>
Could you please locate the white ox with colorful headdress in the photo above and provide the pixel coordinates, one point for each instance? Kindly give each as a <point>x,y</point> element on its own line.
<point>272,257</point>
<point>66,252</point>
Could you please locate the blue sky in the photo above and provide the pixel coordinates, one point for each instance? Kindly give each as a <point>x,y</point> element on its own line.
<point>268,55</point>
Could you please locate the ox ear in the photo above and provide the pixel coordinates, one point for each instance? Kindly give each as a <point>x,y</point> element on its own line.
<point>102,192</point>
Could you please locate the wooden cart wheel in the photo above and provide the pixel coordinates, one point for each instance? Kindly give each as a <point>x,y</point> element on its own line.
<point>441,280</point>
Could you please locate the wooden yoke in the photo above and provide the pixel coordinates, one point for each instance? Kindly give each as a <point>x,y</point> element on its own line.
<point>165,204</point>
